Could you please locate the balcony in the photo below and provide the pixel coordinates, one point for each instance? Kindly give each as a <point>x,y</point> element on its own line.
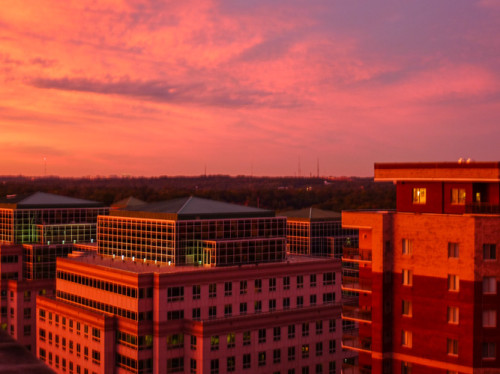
<point>354,369</point>
<point>353,341</point>
<point>356,255</point>
<point>482,208</point>
<point>355,284</point>
<point>355,313</point>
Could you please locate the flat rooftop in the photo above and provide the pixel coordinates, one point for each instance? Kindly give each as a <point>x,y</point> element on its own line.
<point>140,267</point>
<point>14,358</point>
<point>311,214</point>
<point>461,171</point>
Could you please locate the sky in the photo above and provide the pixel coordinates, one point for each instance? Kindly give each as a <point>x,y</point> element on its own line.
<point>239,87</point>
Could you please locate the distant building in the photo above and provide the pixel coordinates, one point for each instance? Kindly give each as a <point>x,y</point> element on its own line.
<point>428,272</point>
<point>316,232</point>
<point>35,229</point>
<point>192,286</point>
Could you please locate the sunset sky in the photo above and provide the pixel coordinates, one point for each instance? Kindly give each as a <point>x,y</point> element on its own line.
<point>150,87</point>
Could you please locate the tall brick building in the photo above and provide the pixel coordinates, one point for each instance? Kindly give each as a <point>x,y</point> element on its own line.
<point>428,272</point>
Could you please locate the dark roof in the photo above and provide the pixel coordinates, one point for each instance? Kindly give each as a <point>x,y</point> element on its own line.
<point>312,214</point>
<point>14,358</point>
<point>45,200</point>
<point>192,208</point>
<point>128,202</point>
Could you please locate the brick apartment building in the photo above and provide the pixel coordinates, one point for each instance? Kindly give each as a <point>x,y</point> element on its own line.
<point>428,272</point>
<point>192,286</point>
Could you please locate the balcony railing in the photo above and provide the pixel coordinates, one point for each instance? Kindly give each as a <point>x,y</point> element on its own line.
<point>482,208</point>
<point>355,284</point>
<point>355,342</point>
<point>356,254</point>
<point>354,369</point>
<point>355,313</point>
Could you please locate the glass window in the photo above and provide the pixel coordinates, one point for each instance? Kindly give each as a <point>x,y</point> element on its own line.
<point>489,252</point>
<point>453,250</point>
<point>452,347</point>
<point>419,195</point>
<point>489,285</point>
<point>489,318</point>
<point>453,282</point>
<point>453,314</point>
<point>406,308</point>
<point>458,196</point>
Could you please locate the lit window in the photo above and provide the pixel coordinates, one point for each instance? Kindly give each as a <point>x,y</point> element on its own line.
<point>407,247</point>
<point>231,340</point>
<point>489,252</point>
<point>262,358</point>
<point>489,318</point>
<point>458,196</point>
<point>453,282</point>
<point>489,350</point>
<point>452,347</point>
<point>214,343</point>
<point>490,285</point>
<point>406,308</point>
<point>406,338</point>
<point>407,277</point>
<point>453,314</point>
<point>452,250</point>
<point>419,195</point>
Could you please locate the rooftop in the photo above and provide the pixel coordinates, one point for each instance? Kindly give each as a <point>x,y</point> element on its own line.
<point>39,200</point>
<point>140,267</point>
<point>14,358</point>
<point>191,208</point>
<point>461,171</point>
<point>312,214</point>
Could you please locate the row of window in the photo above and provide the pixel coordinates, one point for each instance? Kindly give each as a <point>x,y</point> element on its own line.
<point>457,196</point>
<point>489,250</point>
<point>57,362</point>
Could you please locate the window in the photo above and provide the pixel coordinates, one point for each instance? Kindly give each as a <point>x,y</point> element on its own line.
<point>96,334</point>
<point>243,308</point>
<point>319,349</point>
<point>328,278</point>
<point>231,363</point>
<point>286,283</point>
<point>489,285</point>
<point>277,334</point>
<point>196,292</point>
<point>406,308</point>
<point>489,318</point>
<point>312,280</point>
<point>193,342</point>
<point>305,350</point>
<point>276,356</point>
<point>257,306</point>
<point>96,357</point>
<point>407,246</point>
<point>272,284</point>
<point>214,366</point>
<point>175,294</point>
<point>406,338</point>
<point>27,313</point>
<point>452,250</point>
<point>489,350</point>
<point>262,358</point>
<point>214,343</point>
<point>193,366</point>
<point>272,305</point>
<point>300,281</point>
<point>332,325</point>
<point>319,327</point>
<point>300,301</point>
<point>228,310</point>
<point>291,353</point>
<point>228,289</point>
<point>247,360</point>
<point>453,314</point>
<point>262,335</point>
<point>243,287</point>
<point>452,347</point>
<point>196,314</point>
<point>489,252</point>
<point>332,368</point>
<point>407,277</point>
<point>458,196</point>
<point>27,330</point>
<point>419,195</point>
<point>312,299</point>
<point>453,284</point>
<point>286,303</point>
<point>246,338</point>
<point>405,368</point>
<point>319,369</point>
<point>305,329</point>
<point>258,285</point>
<point>329,298</point>
<point>212,312</point>
<point>212,290</point>
<point>291,331</point>
<point>332,346</point>
<point>231,340</point>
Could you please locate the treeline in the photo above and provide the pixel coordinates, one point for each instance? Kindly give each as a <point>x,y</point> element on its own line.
<point>279,194</point>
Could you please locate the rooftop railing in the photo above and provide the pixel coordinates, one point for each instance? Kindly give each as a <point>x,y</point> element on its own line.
<point>482,208</point>
<point>355,313</point>
<point>356,284</point>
